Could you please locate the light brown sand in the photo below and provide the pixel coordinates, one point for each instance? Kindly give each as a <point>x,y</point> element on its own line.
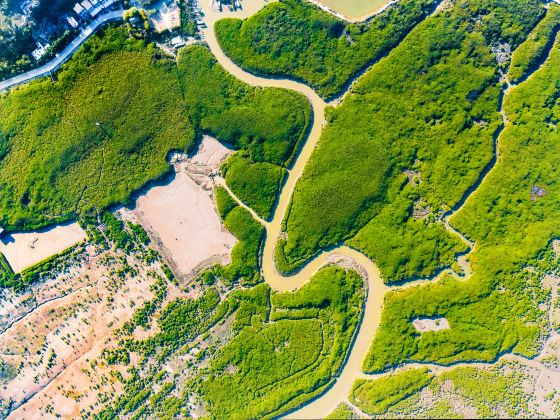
<point>182,215</point>
<point>24,249</point>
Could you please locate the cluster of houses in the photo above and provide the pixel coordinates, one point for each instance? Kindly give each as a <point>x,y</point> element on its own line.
<point>80,15</point>
<point>86,10</point>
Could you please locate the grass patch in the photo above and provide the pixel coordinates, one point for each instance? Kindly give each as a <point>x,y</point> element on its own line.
<point>511,218</point>
<point>268,123</point>
<point>277,364</point>
<point>534,49</point>
<point>376,396</point>
<point>255,183</point>
<point>91,138</point>
<point>342,411</point>
<point>244,263</point>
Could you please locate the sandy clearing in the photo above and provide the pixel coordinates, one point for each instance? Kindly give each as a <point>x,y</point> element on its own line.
<point>210,153</point>
<point>181,216</point>
<point>430,324</point>
<point>354,10</point>
<point>25,249</point>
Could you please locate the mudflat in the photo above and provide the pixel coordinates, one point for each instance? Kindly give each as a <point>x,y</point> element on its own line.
<point>181,216</point>
<point>25,249</point>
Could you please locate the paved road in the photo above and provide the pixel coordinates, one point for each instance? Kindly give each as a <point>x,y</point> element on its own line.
<point>64,55</point>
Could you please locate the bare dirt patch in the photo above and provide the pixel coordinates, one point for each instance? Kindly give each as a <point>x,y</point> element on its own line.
<point>181,216</point>
<point>430,324</point>
<point>50,346</point>
<point>24,249</point>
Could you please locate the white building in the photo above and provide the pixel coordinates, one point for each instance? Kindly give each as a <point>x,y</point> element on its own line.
<point>87,5</point>
<point>40,51</point>
<point>72,22</point>
<point>78,9</point>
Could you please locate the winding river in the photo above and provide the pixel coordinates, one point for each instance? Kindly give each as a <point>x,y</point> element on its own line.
<point>376,288</point>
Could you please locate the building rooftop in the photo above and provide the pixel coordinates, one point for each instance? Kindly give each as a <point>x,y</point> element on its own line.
<point>78,8</point>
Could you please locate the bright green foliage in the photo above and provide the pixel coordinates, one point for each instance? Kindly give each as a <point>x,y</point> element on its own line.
<point>376,396</point>
<point>297,39</point>
<point>534,50</point>
<point>404,247</point>
<point>261,358</point>
<point>7,275</point>
<point>244,263</point>
<point>275,366</point>
<point>91,138</point>
<point>512,219</point>
<point>254,183</point>
<point>105,128</point>
<point>496,391</point>
<point>429,106</point>
<point>179,322</point>
<point>342,412</point>
<point>268,123</point>
<point>515,209</point>
<point>224,202</point>
<point>250,305</point>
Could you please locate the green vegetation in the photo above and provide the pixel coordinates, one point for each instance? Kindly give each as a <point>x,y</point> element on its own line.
<point>376,396</point>
<point>405,247</point>
<point>342,412</point>
<point>91,138</point>
<point>136,21</point>
<point>502,390</point>
<point>275,366</point>
<point>244,263</point>
<point>6,273</point>
<point>267,124</point>
<point>254,183</point>
<point>511,219</point>
<point>533,51</point>
<point>297,39</point>
<point>187,17</point>
<point>491,391</point>
<point>224,202</point>
<point>417,130</point>
<point>180,321</point>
